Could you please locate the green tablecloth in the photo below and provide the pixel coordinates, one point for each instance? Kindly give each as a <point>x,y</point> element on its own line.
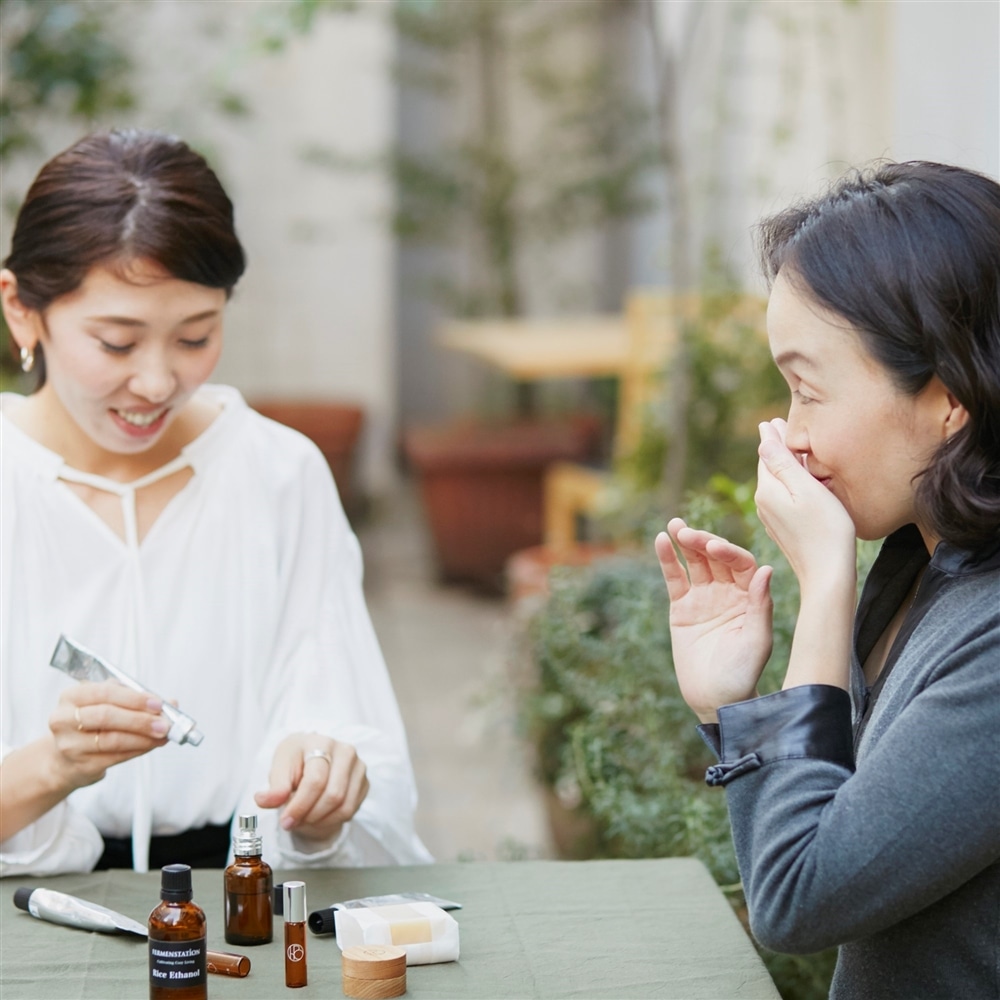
<point>621,929</point>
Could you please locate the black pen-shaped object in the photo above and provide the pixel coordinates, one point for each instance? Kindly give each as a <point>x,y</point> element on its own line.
<point>71,911</point>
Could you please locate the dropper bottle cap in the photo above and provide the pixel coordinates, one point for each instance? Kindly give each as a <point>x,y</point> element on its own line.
<point>175,883</point>
<point>247,842</point>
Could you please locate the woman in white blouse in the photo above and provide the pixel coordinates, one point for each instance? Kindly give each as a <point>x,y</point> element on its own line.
<point>160,522</point>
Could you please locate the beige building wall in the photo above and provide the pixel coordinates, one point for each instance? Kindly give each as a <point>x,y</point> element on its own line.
<point>946,76</point>
<point>778,98</point>
<point>784,95</point>
<point>314,314</point>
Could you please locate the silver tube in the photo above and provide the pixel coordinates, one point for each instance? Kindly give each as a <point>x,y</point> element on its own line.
<point>75,661</point>
<point>60,908</point>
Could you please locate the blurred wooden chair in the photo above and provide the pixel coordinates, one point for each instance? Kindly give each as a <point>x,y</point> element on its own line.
<point>653,320</point>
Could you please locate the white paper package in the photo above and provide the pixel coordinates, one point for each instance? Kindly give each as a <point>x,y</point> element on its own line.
<point>424,931</point>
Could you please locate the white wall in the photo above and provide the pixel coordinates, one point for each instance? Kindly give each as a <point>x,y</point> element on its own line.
<point>315,314</point>
<point>946,71</point>
<point>778,98</point>
<point>784,95</point>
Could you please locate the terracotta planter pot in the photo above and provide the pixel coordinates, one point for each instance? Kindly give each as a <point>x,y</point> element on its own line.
<point>481,487</point>
<point>335,428</point>
<point>528,571</point>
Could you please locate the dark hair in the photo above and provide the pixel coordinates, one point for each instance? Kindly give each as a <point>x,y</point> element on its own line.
<point>117,197</point>
<point>909,254</point>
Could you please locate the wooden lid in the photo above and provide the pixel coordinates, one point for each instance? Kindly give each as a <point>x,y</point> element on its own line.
<point>374,961</point>
<point>374,989</point>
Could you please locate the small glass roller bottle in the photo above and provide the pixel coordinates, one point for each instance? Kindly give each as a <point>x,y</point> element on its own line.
<point>248,888</point>
<point>177,965</point>
<point>295,933</point>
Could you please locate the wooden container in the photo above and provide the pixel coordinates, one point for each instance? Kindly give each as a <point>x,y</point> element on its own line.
<point>373,971</point>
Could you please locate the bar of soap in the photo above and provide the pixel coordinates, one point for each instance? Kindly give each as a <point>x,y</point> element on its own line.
<point>425,932</point>
<point>373,971</point>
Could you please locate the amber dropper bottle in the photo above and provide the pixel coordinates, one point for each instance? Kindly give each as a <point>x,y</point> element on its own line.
<point>177,940</point>
<point>294,906</point>
<point>247,896</point>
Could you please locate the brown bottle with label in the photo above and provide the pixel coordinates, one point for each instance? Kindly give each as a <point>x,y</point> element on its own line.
<point>177,964</point>
<point>248,895</point>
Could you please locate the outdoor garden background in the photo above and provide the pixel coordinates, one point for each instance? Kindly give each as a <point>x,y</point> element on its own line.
<point>398,164</point>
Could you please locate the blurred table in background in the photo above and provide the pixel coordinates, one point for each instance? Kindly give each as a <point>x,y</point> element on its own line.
<point>634,348</point>
<point>651,928</point>
<point>530,350</point>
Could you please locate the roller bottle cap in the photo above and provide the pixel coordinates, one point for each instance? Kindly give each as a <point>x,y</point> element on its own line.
<point>294,904</point>
<point>21,897</point>
<point>247,842</point>
<point>175,883</point>
<point>322,921</point>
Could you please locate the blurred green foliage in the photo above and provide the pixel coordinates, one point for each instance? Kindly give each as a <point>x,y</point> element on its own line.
<point>59,57</point>
<point>59,61</point>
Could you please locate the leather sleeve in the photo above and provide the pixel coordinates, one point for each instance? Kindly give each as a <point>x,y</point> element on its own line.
<point>809,721</point>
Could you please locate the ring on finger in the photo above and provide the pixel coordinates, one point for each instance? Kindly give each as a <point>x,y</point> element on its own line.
<point>310,754</point>
<point>79,721</point>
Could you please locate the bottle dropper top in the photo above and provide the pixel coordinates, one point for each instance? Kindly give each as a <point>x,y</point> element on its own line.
<point>175,883</point>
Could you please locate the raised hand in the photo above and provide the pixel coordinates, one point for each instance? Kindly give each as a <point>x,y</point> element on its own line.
<point>319,781</point>
<point>720,617</point>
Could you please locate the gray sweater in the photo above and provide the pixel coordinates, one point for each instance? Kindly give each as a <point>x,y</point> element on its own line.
<point>889,848</point>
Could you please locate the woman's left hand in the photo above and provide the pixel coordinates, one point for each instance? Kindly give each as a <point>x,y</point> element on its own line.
<point>319,781</point>
<point>809,524</point>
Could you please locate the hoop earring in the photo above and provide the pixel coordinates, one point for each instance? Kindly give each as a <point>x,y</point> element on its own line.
<point>27,359</point>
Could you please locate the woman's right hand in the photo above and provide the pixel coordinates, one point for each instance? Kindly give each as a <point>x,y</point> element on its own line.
<point>720,617</point>
<point>94,726</point>
<point>99,724</point>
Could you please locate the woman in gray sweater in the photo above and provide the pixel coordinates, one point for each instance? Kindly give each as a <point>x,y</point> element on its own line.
<point>865,796</point>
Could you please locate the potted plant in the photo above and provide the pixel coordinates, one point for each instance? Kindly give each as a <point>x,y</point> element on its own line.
<point>500,186</point>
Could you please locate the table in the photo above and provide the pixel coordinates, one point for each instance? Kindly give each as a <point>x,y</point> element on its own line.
<point>533,349</point>
<point>549,929</point>
<point>629,348</point>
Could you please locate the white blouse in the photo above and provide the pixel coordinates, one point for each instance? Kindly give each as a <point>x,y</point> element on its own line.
<point>243,602</point>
